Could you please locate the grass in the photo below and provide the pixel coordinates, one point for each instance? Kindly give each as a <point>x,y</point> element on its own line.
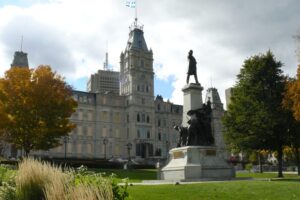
<point>272,189</point>
<point>272,175</point>
<point>137,175</point>
<point>229,190</point>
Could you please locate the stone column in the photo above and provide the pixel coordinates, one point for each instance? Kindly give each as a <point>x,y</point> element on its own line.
<point>192,99</point>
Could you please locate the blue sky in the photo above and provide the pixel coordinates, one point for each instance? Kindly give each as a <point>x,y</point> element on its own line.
<point>71,37</point>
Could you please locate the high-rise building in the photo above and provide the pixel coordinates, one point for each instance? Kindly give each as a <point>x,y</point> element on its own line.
<point>20,59</point>
<point>104,81</point>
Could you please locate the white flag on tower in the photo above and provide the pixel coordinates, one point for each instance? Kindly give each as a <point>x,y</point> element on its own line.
<point>130,3</point>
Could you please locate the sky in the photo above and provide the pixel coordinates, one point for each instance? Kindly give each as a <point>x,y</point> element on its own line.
<point>72,37</point>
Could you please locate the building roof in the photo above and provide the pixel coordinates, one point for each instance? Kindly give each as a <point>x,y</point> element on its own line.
<point>213,96</point>
<point>136,39</point>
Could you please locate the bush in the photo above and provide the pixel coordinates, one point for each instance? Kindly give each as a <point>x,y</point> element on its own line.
<point>39,180</point>
<point>248,167</point>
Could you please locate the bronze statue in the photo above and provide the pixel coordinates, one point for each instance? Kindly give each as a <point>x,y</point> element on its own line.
<point>192,67</point>
<point>198,132</point>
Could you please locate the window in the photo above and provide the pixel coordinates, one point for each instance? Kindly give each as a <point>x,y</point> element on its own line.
<point>148,134</point>
<point>143,117</point>
<point>127,118</point>
<point>158,152</point>
<point>158,123</point>
<point>147,88</point>
<point>127,132</point>
<point>159,136</point>
<point>138,134</point>
<point>143,101</point>
<point>138,88</point>
<point>158,106</point>
<point>148,119</point>
<point>138,117</point>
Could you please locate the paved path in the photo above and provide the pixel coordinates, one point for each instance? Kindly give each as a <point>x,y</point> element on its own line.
<point>178,182</point>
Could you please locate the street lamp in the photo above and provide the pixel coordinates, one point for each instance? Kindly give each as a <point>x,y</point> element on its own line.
<point>66,139</point>
<point>129,146</point>
<point>105,142</point>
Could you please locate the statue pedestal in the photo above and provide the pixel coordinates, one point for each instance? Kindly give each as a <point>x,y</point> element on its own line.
<point>196,163</point>
<point>192,99</point>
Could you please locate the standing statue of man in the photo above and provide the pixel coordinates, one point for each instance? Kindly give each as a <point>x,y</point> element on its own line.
<point>192,67</point>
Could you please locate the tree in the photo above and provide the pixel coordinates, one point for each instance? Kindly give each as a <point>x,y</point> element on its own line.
<point>255,119</point>
<point>292,95</point>
<point>291,102</point>
<point>35,107</point>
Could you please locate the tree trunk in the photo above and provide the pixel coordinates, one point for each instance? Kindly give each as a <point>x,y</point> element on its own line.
<point>280,154</point>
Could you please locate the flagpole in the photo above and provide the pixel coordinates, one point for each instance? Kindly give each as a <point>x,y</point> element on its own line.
<point>136,10</point>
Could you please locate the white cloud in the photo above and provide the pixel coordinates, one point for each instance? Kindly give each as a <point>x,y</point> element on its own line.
<point>71,36</point>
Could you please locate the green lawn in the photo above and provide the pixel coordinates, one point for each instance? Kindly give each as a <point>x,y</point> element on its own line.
<point>263,175</point>
<point>228,190</point>
<point>269,189</point>
<point>137,175</point>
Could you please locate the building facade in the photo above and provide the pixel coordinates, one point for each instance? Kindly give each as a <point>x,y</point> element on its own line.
<point>119,116</point>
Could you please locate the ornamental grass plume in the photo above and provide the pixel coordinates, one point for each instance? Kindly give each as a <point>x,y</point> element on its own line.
<point>37,180</point>
<point>33,177</point>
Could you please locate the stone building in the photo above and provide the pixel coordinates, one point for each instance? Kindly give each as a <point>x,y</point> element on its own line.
<point>120,111</point>
<point>119,116</point>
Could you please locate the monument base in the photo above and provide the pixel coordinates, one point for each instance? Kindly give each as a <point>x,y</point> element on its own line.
<point>196,163</point>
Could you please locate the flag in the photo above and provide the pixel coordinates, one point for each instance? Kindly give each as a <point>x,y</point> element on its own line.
<point>130,3</point>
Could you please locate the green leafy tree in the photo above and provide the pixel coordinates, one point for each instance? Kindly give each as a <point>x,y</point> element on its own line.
<point>255,119</point>
<point>35,107</point>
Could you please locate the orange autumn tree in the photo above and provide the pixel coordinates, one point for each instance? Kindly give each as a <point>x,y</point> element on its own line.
<point>35,107</point>
<point>292,96</point>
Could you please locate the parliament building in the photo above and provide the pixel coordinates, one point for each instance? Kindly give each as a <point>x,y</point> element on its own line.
<point>118,116</point>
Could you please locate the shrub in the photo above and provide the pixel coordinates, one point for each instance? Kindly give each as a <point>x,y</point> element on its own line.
<point>40,180</point>
<point>248,167</point>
